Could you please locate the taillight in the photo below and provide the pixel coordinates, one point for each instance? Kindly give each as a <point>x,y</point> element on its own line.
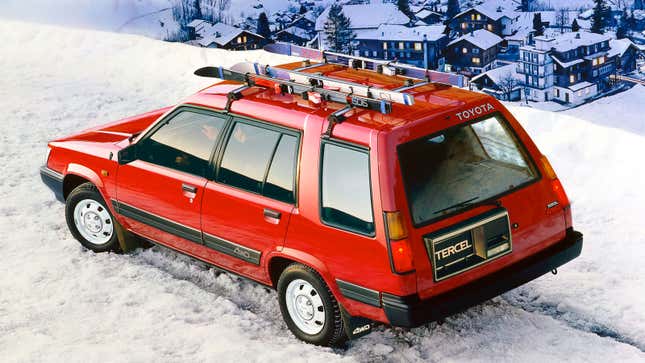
<point>400,251</point>
<point>556,186</point>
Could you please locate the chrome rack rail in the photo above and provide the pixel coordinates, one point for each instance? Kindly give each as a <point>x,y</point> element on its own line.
<point>253,75</point>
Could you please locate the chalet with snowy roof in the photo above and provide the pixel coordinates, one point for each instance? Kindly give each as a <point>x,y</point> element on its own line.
<point>219,35</point>
<point>503,83</point>
<point>570,68</point>
<point>625,54</point>
<point>295,35</point>
<point>421,46</point>
<point>363,17</point>
<point>494,18</point>
<point>428,16</point>
<point>474,52</point>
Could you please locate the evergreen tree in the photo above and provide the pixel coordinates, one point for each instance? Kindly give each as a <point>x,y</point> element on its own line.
<point>639,5</point>
<point>453,8</point>
<point>623,26</point>
<point>263,26</point>
<point>303,9</point>
<point>574,26</point>
<point>538,26</point>
<point>339,35</point>
<point>599,17</point>
<point>185,11</point>
<point>404,7</point>
<point>525,5</point>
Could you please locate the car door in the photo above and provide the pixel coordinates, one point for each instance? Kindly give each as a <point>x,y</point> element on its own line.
<point>246,209</point>
<point>161,191</point>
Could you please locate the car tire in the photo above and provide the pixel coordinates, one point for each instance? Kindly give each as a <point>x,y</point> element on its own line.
<point>90,221</point>
<point>309,308</point>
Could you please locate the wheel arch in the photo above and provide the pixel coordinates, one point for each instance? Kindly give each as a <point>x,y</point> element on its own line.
<point>78,174</point>
<point>278,261</point>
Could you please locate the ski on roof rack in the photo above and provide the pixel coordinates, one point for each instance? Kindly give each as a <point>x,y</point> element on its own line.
<point>358,62</point>
<point>251,75</point>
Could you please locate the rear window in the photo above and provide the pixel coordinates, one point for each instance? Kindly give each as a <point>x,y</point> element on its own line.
<point>461,166</point>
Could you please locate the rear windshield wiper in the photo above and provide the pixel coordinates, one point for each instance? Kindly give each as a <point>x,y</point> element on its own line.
<point>460,204</point>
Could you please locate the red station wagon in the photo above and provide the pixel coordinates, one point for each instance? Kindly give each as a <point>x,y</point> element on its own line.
<point>360,193</point>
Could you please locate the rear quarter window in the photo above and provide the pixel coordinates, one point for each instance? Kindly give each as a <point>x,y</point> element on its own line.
<point>346,198</point>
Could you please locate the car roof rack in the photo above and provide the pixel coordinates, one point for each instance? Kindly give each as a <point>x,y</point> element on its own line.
<point>307,85</point>
<point>358,62</point>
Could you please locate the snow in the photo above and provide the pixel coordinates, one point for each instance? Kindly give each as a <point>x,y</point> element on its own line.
<point>568,41</point>
<point>365,16</point>
<point>498,74</point>
<point>481,38</point>
<point>218,33</point>
<point>389,32</point>
<point>490,10</point>
<point>59,302</point>
<point>618,47</point>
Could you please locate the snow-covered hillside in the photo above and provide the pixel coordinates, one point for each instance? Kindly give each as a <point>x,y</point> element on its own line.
<point>59,302</point>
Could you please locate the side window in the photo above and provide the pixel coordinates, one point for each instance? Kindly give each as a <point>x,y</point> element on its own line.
<point>345,191</point>
<point>185,142</point>
<point>261,161</point>
<point>282,173</point>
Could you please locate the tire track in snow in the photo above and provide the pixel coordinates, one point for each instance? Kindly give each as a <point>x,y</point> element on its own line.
<point>522,300</point>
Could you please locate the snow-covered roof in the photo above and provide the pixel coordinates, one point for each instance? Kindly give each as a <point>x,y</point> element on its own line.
<point>363,16</point>
<point>572,40</point>
<point>492,10</point>
<point>586,14</point>
<point>296,31</point>
<point>425,13</point>
<point>402,32</point>
<point>195,23</point>
<point>218,33</point>
<point>618,47</point>
<point>567,64</point>
<point>498,74</point>
<point>581,85</point>
<point>481,38</point>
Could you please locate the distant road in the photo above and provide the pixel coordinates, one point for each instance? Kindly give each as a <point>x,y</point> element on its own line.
<point>627,79</point>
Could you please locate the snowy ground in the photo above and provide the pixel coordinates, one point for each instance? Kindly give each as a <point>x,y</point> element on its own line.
<point>59,302</point>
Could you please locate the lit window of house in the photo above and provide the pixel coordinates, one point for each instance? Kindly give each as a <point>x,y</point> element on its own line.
<point>464,25</point>
<point>472,16</point>
<point>385,45</point>
<point>490,27</point>
<point>601,60</point>
<point>479,17</point>
<point>572,78</point>
<point>239,39</point>
<point>476,60</point>
<point>418,46</point>
<point>401,45</point>
<point>464,50</point>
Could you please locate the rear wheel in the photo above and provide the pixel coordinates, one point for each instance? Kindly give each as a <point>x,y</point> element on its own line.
<point>309,308</point>
<point>89,220</point>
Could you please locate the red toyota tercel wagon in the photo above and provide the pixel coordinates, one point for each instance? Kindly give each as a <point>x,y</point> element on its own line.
<point>360,194</point>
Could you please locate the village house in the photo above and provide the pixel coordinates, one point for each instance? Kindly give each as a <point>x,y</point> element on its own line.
<point>495,19</point>
<point>428,16</point>
<point>474,52</point>
<point>208,35</point>
<point>503,82</point>
<point>364,18</point>
<point>421,46</point>
<point>570,68</point>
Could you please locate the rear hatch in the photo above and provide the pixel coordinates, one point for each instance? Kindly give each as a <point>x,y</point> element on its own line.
<point>477,202</point>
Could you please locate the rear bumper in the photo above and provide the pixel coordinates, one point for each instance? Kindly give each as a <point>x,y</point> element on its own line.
<point>54,181</point>
<point>409,311</point>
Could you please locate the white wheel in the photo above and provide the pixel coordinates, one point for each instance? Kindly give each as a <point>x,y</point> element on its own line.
<point>305,307</point>
<point>93,222</point>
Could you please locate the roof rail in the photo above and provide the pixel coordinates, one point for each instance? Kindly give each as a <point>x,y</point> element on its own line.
<point>251,74</point>
<point>375,65</point>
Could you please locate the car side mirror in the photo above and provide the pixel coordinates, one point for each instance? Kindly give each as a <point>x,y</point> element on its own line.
<point>127,154</point>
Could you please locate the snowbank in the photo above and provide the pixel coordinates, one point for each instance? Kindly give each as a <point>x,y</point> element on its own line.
<point>61,303</point>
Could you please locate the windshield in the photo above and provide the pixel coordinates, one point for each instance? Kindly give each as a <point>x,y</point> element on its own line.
<point>461,166</point>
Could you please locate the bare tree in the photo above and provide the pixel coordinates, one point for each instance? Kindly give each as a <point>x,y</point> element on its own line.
<point>507,84</point>
<point>562,19</point>
<point>216,10</point>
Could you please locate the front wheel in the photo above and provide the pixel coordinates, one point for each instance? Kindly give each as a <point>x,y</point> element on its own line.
<point>309,308</point>
<point>89,220</point>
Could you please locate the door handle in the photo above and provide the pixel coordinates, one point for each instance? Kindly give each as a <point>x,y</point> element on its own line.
<point>272,214</point>
<point>189,188</point>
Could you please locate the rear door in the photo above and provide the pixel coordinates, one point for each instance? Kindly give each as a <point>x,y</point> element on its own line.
<point>160,193</point>
<point>246,209</point>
